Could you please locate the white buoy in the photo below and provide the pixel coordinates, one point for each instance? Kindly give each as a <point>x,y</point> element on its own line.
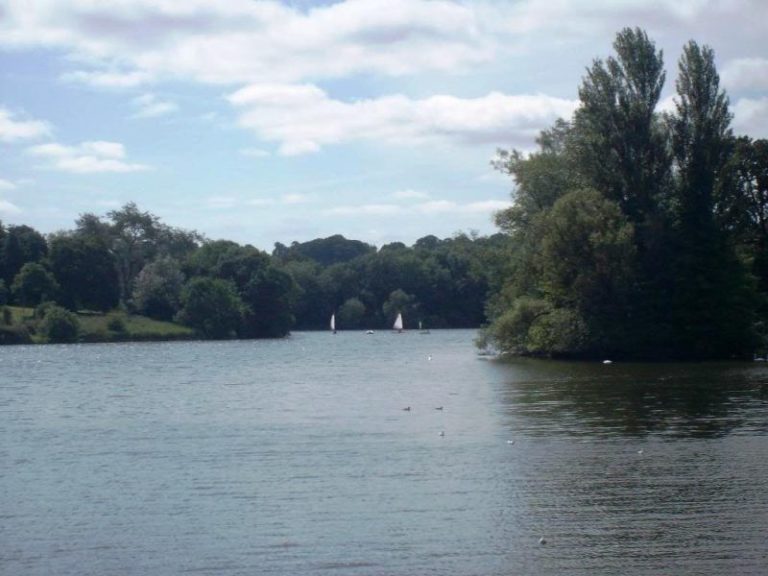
<point>510,441</point>
<point>607,362</point>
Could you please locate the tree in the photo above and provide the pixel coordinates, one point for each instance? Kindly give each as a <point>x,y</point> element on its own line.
<point>85,270</point>
<point>741,204</point>
<point>712,307</point>
<point>618,139</point>
<point>268,296</point>
<point>133,234</point>
<point>400,302</point>
<point>21,244</point>
<point>157,290</point>
<point>326,251</point>
<point>351,314</point>
<point>540,178</point>
<point>212,307</point>
<point>59,325</point>
<point>34,284</point>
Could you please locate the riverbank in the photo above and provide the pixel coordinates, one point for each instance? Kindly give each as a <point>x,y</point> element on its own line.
<point>19,325</point>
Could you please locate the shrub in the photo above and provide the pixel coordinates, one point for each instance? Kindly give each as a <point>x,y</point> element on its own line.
<point>117,324</point>
<point>59,325</point>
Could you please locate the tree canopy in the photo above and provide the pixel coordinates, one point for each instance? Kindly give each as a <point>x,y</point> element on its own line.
<point>636,233</point>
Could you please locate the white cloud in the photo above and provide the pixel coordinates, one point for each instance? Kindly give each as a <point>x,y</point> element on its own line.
<point>261,202</point>
<point>107,79</point>
<point>750,115</point>
<point>221,202</point>
<point>6,185</point>
<point>150,106</point>
<point>12,129</point>
<point>254,153</point>
<point>295,198</point>
<point>410,195</point>
<point>448,207</point>
<point>303,118</point>
<point>86,158</point>
<point>7,207</point>
<point>127,42</point>
<point>365,210</point>
<point>432,207</point>
<point>746,74</point>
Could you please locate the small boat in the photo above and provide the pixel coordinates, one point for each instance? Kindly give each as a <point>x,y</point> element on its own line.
<point>333,323</point>
<point>398,325</point>
<point>422,330</point>
<point>369,331</point>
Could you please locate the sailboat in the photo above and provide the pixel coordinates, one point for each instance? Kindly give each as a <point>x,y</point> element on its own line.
<point>333,323</point>
<point>398,325</point>
<point>421,329</point>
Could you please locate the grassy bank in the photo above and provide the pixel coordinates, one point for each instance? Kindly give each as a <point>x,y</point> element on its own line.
<point>19,326</point>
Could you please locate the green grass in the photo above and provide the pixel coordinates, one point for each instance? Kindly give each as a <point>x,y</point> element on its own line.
<point>110,327</point>
<point>105,328</point>
<point>20,314</point>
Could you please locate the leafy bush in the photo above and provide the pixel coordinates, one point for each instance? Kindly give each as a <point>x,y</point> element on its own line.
<point>212,307</point>
<point>59,325</point>
<point>116,323</point>
<point>34,284</point>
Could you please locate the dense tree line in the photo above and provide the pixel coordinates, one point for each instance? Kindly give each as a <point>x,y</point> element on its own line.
<point>637,233</point>
<point>130,260</point>
<point>441,283</point>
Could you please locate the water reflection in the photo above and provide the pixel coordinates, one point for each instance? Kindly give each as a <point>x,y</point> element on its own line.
<point>624,467</point>
<point>675,400</point>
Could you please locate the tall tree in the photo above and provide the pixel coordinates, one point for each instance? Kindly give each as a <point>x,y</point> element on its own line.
<point>133,235</point>
<point>713,308</point>
<point>21,244</point>
<point>618,139</point>
<point>85,269</point>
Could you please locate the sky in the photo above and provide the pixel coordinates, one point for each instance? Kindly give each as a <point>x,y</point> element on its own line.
<point>268,121</point>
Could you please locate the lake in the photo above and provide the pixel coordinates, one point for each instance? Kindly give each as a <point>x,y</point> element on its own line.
<point>296,456</point>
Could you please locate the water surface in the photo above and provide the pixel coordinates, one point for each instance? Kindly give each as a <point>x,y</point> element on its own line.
<point>295,457</point>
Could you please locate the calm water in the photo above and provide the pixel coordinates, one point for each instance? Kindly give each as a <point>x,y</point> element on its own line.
<point>296,457</point>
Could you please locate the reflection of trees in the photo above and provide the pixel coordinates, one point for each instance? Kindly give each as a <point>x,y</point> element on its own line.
<point>702,400</point>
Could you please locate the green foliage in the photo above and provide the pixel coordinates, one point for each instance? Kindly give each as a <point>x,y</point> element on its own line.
<point>3,293</point>
<point>630,229</point>
<point>20,245</point>
<point>212,307</point>
<point>325,251</point>
<point>400,302</point>
<point>267,296</point>
<point>85,270</point>
<point>116,323</point>
<point>34,284</point>
<point>59,325</point>
<point>351,314</point>
<point>157,290</point>
<point>118,326</point>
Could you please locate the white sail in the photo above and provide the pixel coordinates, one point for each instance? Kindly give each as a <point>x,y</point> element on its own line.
<point>398,322</point>
<point>333,322</point>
